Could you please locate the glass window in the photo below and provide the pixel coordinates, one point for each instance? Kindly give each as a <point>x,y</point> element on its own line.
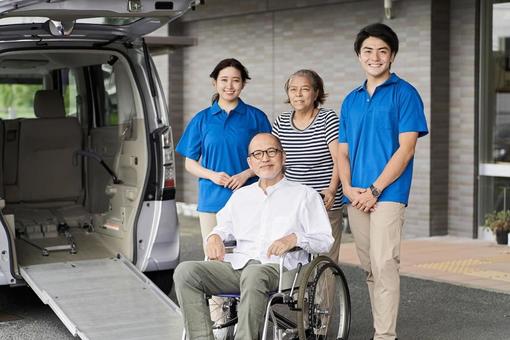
<point>70,92</point>
<point>496,191</point>
<point>17,97</point>
<point>115,97</point>
<point>495,121</point>
<point>111,104</point>
<point>494,118</point>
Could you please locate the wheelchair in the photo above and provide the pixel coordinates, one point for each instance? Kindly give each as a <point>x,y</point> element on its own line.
<point>316,306</point>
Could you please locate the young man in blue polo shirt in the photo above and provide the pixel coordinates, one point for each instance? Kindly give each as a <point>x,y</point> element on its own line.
<point>380,123</point>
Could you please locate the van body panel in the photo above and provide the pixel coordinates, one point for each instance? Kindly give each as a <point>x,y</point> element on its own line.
<point>158,249</point>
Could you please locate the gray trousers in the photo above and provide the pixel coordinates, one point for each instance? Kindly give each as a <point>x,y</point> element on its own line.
<point>194,279</point>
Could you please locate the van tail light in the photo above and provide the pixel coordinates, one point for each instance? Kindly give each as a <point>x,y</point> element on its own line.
<point>168,161</point>
<point>169,181</point>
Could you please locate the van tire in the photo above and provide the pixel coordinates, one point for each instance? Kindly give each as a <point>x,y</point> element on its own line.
<point>163,279</point>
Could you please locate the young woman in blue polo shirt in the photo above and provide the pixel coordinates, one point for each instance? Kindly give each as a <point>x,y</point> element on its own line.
<point>215,142</point>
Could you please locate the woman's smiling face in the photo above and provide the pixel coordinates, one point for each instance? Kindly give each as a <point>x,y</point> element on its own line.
<point>229,84</point>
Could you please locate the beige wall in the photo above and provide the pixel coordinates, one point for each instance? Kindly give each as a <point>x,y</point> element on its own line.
<point>275,38</point>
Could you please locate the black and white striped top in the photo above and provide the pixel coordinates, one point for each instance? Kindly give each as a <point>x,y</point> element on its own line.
<point>308,157</point>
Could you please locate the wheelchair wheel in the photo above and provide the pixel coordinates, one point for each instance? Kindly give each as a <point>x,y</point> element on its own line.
<point>324,305</point>
<point>224,317</point>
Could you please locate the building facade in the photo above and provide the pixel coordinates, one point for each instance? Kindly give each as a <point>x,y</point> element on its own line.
<point>455,52</point>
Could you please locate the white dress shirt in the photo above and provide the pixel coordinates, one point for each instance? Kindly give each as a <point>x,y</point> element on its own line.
<point>256,219</point>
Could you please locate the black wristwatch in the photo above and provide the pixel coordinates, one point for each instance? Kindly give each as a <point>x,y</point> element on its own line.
<point>375,192</point>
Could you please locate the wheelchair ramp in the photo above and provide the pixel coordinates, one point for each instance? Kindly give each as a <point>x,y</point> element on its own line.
<point>105,299</point>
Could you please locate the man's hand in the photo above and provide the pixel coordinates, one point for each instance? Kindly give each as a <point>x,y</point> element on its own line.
<point>353,193</point>
<point>282,245</point>
<point>329,198</point>
<point>237,181</point>
<point>214,248</point>
<point>365,201</point>
<point>220,178</point>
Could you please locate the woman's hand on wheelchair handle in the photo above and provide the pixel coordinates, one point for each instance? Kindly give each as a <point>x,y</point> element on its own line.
<point>215,248</point>
<point>282,245</point>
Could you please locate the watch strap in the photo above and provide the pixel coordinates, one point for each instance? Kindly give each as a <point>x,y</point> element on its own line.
<point>375,192</point>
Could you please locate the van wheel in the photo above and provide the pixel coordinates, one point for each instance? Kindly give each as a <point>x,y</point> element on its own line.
<point>163,279</point>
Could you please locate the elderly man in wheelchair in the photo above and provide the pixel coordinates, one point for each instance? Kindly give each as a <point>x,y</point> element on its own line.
<point>276,225</point>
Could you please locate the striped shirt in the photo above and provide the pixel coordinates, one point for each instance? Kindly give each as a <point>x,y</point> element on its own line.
<point>308,159</point>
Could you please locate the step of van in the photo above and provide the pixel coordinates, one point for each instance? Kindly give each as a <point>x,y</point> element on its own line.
<point>105,299</point>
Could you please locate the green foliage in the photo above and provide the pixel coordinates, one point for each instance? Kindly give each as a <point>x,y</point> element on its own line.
<point>19,97</point>
<point>498,220</point>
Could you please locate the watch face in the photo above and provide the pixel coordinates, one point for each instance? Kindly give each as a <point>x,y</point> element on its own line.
<point>375,192</point>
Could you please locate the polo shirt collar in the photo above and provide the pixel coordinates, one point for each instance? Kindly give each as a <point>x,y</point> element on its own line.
<point>240,108</point>
<point>393,79</point>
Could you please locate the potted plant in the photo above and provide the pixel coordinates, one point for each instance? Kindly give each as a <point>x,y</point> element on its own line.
<point>499,223</point>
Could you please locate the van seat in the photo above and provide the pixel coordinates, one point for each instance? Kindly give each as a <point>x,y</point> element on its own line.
<point>46,170</point>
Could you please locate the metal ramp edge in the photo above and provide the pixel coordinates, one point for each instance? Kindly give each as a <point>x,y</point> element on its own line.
<point>105,299</point>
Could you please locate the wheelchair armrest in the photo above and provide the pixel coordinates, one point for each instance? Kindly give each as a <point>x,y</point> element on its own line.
<point>229,246</point>
<point>296,248</point>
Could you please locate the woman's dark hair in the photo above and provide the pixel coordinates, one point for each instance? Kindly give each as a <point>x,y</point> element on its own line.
<point>230,62</point>
<point>377,30</point>
<point>315,80</point>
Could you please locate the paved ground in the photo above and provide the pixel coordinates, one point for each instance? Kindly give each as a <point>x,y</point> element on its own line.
<point>430,310</point>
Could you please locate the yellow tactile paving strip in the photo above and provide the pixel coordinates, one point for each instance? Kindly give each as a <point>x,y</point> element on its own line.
<point>471,267</point>
<point>466,262</point>
<point>457,267</point>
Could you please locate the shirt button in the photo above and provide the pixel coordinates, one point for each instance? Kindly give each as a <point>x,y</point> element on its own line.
<point>368,100</point>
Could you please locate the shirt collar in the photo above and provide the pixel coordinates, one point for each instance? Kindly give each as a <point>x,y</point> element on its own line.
<point>391,80</point>
<point>240,108</point>
<point>274,187</point>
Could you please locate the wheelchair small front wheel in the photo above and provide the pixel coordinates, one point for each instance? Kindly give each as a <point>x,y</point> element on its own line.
<point>324,305</point>
<point>224,317</point>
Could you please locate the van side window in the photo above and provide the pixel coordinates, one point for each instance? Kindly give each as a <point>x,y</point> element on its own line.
<point>70,92</point>
<point>17,97</point>
<point>111,104</point>
<point>115,97</point>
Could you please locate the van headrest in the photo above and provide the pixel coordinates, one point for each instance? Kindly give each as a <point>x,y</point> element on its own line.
<point>49,104</point>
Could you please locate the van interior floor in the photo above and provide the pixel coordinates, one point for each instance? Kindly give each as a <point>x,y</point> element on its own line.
<point>89,246</point>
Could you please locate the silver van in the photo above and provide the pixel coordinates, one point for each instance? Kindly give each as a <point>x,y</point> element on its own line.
<point>87,189</point>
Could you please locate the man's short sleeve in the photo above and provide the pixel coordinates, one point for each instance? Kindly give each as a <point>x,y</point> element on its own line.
<point>342,128</point>
<point>411,112</point>
<point>331,126</point>
<point>190,144</point>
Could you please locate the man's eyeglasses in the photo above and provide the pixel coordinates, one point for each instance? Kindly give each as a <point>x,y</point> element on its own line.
<point>259,154</point>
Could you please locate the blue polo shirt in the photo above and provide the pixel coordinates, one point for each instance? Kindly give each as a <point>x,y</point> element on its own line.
<point>371,127</point>
<point>221,141</point>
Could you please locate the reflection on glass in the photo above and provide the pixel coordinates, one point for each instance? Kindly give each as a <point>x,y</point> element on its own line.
<point>499,119</point>
<point>496,194</point>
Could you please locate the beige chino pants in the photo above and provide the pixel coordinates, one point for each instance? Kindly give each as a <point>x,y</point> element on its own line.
<point>377,236</point>
<point>336,221</point>
<point>207,224</point>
